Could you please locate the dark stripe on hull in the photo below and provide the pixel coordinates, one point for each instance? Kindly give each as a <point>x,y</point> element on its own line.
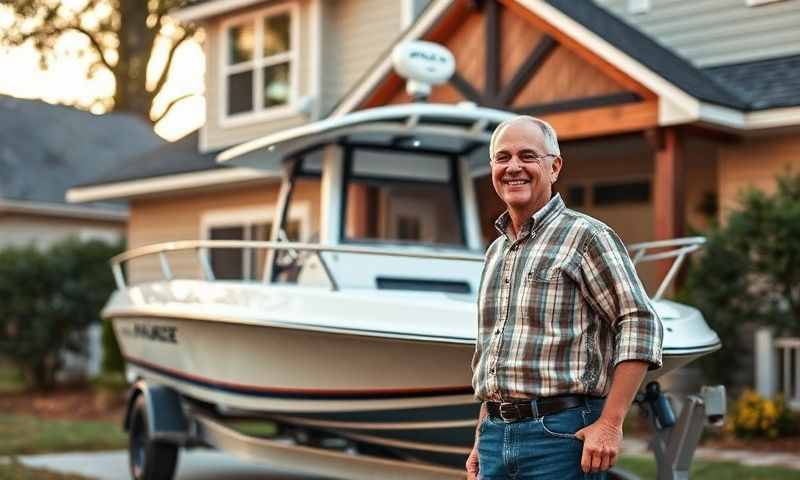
<point>467,411</point>
<point>462,437</point>
<point>266,392</point>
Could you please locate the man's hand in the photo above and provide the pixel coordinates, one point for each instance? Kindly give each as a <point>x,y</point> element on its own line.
<point>472,464</point>
<point>601,443</point>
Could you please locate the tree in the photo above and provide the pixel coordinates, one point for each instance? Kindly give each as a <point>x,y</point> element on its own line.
<point>120,38</point>
<point>750,272</point>
<point>48,300</point>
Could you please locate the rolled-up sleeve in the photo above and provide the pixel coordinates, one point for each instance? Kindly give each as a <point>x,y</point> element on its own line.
<point>613,289</point>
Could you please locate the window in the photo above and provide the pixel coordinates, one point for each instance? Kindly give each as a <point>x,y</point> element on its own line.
<point>402,199</point>
<point>576,196</point>
<point>259,63</point>
<point>244,224</point>
<point>621,193</point>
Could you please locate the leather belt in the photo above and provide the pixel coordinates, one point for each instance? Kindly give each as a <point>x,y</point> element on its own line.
<point>515,411</point>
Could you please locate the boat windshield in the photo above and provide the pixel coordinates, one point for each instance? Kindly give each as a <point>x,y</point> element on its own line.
<point>401,198</point>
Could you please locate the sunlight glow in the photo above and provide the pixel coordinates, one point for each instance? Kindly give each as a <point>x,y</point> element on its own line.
<point>66,80</point>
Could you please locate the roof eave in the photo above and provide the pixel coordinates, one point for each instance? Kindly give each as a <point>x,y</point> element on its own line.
<point>210,9</point>
<point>165,184</point>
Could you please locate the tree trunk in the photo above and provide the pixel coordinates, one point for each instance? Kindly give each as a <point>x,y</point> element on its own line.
<point>130,73</point>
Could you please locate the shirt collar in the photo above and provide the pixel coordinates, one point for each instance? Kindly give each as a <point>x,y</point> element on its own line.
<point>542,216</point>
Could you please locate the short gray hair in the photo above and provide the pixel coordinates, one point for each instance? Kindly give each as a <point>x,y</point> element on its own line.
<point>548,132</point>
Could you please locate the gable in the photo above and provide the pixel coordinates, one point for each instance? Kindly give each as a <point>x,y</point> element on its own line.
<point>507,58</point>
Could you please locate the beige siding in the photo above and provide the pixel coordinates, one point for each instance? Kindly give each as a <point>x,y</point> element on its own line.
<point>356,34</point>
<point>700,182</point>
<point>41,231</point>
<point>215,134</point>
<point>173,218</point>
<point>713,32</point>
<point>754,163</point>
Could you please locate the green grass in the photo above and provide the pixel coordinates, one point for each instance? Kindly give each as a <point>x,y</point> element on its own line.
<point>11,379</point>
<point>708,470</point>
<point>23,434</point>
<point>16,471</point>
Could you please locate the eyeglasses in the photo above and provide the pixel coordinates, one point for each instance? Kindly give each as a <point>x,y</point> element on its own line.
<point>524,157</point>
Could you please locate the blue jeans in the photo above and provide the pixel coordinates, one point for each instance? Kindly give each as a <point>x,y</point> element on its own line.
<point>542,449</point>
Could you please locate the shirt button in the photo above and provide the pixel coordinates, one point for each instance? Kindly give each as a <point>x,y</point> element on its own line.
<point>497,332</point>
<point>491,371</point>
<point>507,280</point>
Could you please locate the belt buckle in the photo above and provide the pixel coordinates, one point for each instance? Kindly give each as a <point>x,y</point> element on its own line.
<point>507,408</point>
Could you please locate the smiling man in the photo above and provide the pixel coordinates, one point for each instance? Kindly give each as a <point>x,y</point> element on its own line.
<point>566,331</point>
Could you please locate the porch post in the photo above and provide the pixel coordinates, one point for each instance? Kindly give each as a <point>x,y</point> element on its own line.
<point>668,191</point>
<point>766,363</point>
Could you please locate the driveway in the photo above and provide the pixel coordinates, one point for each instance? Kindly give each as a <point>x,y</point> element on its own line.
<point>192,465</point>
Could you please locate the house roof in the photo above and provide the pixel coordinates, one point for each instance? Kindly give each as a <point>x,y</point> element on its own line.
<point>771,83</point>
<point>180,156</point>
<point>649,52</point>
<point>46,149</point>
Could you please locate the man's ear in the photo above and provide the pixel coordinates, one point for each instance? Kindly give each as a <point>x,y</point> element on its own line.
<point>555,168</point>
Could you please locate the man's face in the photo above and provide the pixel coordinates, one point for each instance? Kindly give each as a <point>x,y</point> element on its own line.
<point>523,185</point>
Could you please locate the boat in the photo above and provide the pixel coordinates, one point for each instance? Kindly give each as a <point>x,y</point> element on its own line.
<point>368,341</point>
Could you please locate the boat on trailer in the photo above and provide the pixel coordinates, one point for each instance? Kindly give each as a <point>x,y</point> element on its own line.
<point>364,335</point>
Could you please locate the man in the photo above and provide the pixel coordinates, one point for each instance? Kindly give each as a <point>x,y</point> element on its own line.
<point>566,331</point>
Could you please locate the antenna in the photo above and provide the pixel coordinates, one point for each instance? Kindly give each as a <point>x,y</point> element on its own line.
<point>422,64</point>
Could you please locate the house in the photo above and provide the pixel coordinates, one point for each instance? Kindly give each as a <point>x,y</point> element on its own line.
<point>662,108</point>
<point>46,149</point>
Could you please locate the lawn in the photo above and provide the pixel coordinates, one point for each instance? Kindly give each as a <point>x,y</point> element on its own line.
<point>706,470</point>
<point>15,471</point>
<point>23,434</point>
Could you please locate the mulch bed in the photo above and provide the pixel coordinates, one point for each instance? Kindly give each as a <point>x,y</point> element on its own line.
<point>778,445</point>
<point>73,403</point>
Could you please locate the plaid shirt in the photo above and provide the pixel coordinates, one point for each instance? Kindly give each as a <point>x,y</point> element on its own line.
<point>558,308</point>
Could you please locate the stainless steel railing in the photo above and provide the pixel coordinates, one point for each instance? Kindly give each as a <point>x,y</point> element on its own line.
<point>677,248</point>
<point>201,247</point>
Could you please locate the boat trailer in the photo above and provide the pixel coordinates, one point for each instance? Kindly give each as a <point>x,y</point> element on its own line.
<point>159,422</point>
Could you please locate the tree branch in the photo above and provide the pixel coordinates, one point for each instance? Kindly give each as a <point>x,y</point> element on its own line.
<point>162,79</point>
<point>95,44</point>
<point>171,104</point>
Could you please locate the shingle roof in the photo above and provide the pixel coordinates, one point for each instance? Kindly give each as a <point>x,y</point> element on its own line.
<point>771,83</point>
<point>649,52</point>
<point>47,149</point>
<point>181,156</point>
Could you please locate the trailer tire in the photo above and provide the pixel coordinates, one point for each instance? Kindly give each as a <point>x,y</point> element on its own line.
<point>148,459</point>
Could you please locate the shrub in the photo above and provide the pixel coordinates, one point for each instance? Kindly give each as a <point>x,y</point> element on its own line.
<point>750,272</point>
<point>49,298</point>
<point>755,416</point>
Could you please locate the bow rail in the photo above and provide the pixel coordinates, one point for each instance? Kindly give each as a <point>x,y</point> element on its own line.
<point>677,248</point>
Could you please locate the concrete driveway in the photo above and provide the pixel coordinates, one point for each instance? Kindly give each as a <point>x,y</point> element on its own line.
<point>192,465</point>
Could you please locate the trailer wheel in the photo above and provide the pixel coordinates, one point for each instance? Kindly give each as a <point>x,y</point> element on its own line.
<point>148,459</point>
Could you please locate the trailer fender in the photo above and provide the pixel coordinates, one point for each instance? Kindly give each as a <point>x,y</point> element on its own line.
<point>166,420</point>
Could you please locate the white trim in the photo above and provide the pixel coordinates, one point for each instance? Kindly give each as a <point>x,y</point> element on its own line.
<point>210,9</point>
<point>760,120</point>
<point>256,65</point>
<point>406,13</point>
<point>169,183</point>
<point>756,3</point>
<point>247,216</point>
<point>60,210</point>
<point>315,45</point>
<point>351,101</point>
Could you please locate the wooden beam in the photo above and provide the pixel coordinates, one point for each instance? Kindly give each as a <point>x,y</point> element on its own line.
<point>491,16</point>
<point>470,93</point>
<point>602,121</point>
<point>579,104</point>
<point>527,70</point>
<point>668,186</point>
<point>579,49</point>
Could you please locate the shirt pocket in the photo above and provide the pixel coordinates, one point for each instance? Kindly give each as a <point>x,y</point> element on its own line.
<point>546,276</point>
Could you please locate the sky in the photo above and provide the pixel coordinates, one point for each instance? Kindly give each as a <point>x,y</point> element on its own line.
<point>65,81</point>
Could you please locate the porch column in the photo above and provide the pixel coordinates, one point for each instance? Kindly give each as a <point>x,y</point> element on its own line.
<point>668,185</point>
